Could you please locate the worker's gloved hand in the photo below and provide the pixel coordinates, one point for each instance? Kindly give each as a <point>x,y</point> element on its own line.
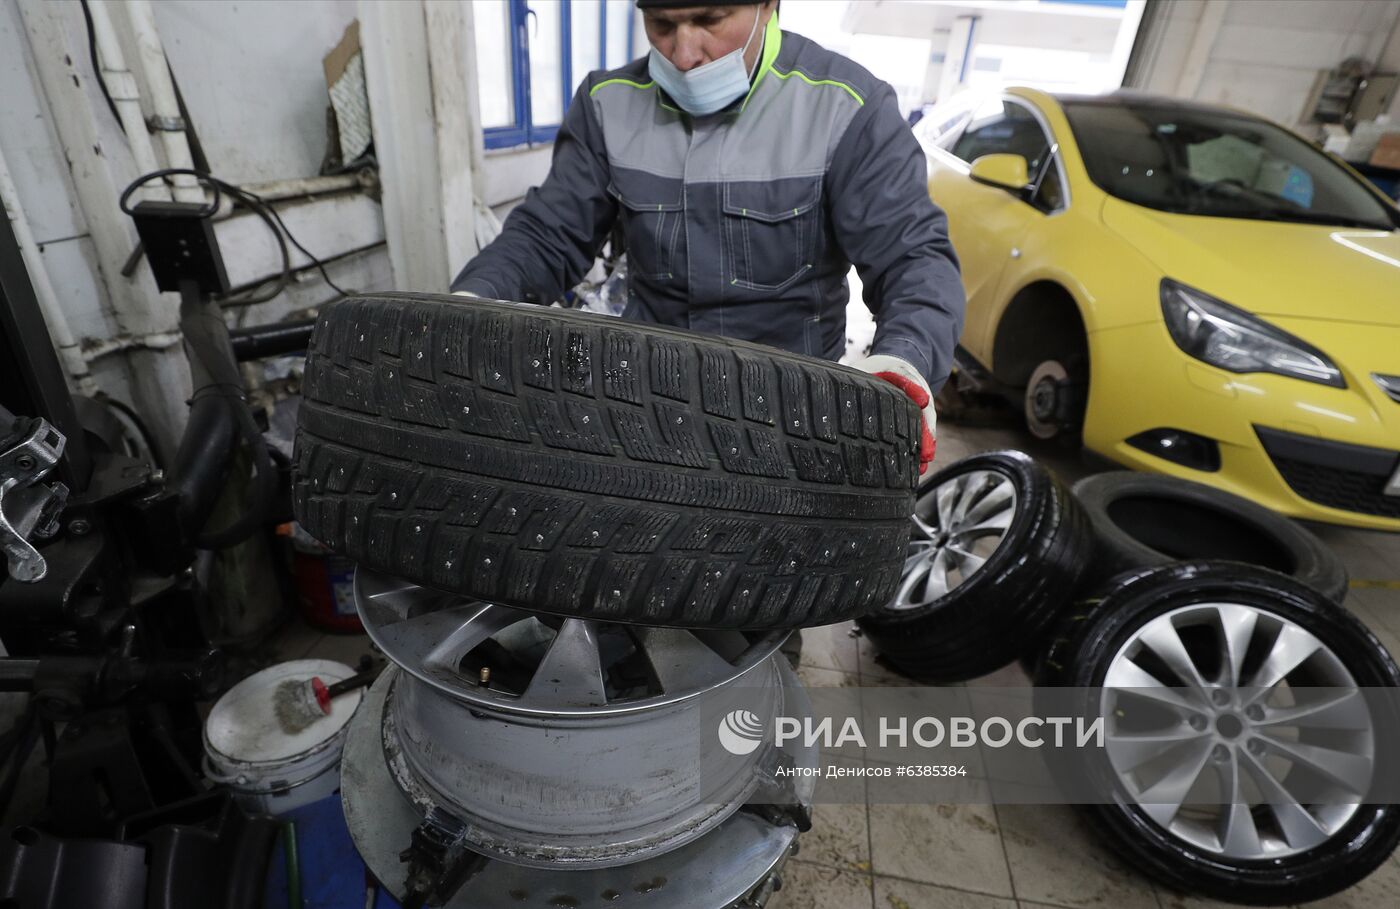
<point>903,375</point>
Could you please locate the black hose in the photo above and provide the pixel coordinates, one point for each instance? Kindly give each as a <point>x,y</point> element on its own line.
<point>274,340</point>
<point>97,67</point>
<point>264,492</point>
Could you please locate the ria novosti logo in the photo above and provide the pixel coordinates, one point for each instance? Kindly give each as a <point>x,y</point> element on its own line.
<point>740,732</point>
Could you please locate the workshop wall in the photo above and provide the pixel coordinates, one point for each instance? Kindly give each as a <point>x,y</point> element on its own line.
<point>250,76</point>
<point>1262,57</point>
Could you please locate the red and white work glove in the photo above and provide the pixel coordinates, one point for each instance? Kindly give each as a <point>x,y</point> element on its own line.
<point>902,375</point>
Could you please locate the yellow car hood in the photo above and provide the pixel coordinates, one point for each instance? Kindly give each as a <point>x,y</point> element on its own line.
<point>1270,267</point>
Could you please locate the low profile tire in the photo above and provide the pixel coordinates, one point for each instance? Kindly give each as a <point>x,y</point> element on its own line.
<point>579,465</point>
<point>1162,659</point>
<point>997,548</point>
<point>1141,520</point>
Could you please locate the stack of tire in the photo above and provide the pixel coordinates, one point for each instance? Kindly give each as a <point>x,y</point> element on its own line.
<point>1157,598</point>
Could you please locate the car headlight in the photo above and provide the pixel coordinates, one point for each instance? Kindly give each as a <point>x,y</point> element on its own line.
<point>1232,339</point>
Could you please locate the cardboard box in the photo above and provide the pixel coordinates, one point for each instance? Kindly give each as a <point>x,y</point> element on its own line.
<point>1387,153</point>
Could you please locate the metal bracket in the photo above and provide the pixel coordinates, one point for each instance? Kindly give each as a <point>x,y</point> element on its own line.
<point>28,507</point>
<point>439,862</point>
<point>776,799</point>
<point>165,124</point>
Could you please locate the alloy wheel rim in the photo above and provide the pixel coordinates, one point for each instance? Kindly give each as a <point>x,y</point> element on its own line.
<point>429,633</point>
<point>1216,715</point>
<point>957,526</point>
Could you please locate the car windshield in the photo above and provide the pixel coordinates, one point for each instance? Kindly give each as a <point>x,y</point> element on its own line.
<point>1216,163</point>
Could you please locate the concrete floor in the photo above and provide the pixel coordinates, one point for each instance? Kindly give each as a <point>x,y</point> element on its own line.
<point>878,856</point>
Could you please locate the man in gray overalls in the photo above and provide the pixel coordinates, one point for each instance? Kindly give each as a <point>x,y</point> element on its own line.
<point>749,168</point>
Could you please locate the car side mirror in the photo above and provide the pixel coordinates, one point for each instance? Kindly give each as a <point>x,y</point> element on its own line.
<point>1008,172</point>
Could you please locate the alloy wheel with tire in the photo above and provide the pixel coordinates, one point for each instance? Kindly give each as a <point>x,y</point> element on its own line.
<point>585,466</point>
<point>1141,520</point>
<point>997,545</point>
<point>1246,718</point>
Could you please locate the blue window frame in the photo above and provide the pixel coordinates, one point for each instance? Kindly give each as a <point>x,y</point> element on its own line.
<point>522,24</point>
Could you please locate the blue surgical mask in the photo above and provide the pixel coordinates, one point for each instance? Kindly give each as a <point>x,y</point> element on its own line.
<point>707,88</point>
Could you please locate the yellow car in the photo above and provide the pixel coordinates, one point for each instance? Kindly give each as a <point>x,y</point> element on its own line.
<point>1200,292</point>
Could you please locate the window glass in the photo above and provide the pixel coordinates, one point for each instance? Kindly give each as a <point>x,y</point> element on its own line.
<point>1050,194</point>
<point>1004,129</point>
<point>546,61</point>
<point>585,20</point>
<point>1217,163</point>
<point>492,18</point>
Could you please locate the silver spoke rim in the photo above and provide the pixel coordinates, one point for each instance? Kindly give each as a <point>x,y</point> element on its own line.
<point>1215,717</point>
<point>430,634</point>
<point>957,526</point>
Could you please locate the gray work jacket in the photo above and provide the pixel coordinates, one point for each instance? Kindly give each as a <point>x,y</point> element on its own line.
<point>744,223</point>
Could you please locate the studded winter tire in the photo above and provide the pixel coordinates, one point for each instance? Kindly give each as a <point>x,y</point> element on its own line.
<point>584,466</point>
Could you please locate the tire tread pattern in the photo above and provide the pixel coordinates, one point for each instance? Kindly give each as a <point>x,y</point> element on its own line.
<point>586,466</point>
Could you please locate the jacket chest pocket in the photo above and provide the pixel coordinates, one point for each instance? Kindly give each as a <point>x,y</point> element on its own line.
<point>653,218</point>
<point>770,231</point>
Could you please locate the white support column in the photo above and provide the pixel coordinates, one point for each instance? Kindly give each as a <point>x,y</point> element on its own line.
<point>1123,42</point>
<point>457,118</point>
<point>150,59</point>
<point>1193,70</point>
<point>957,61</point>
<point>101,165</point>
<point>416,57</point>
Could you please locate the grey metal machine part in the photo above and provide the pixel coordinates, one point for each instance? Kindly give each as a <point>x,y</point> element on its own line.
<point>583,745</point>
<point>28,507</point>
<point>738,866</point>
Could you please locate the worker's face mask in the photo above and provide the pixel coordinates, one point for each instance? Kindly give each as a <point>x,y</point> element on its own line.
<point>707,88</point>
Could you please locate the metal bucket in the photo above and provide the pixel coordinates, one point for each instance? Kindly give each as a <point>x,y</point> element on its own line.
<point>269,765</point>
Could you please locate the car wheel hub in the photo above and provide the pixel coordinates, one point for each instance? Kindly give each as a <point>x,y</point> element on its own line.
<point>1043,403</point>
<point>957,525</point>
<point>1215,718</point>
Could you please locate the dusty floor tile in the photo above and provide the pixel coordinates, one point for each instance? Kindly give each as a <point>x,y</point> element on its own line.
<point>808,886</point>
<point>1054,860</point>
<point>1170,899</point>
<point>840,837</point>
<point>830,647</point>
<point>816,677</point>
<point>1009,676</point>
<point>896,894</point>
<point>950,845</point>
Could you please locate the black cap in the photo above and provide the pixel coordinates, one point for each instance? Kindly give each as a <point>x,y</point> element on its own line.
<point>677,4</point>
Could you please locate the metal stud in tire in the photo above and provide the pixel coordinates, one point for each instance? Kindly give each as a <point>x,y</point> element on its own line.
<point>997,544</point>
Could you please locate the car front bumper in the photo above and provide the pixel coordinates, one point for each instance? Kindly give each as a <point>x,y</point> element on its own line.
<point>1303,449</point>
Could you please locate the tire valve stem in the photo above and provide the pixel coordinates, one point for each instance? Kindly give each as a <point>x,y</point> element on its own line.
<point>485,676</point>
